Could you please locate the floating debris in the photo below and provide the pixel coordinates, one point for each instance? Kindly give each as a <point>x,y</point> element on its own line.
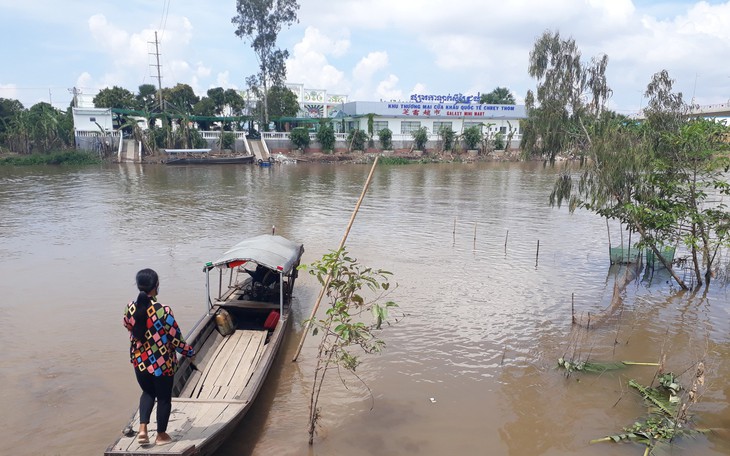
<point>662,423</point>
<point>597,367</point>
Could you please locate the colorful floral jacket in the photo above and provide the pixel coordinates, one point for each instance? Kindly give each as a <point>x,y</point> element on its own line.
<point>156,353</point>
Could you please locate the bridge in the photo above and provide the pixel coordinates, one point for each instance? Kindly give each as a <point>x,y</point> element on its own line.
<point>713,110</point>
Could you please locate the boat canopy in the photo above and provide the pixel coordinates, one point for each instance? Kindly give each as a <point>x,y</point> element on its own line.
<point>271,251</point>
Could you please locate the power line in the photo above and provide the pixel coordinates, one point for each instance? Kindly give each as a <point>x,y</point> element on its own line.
<point>163,19</point>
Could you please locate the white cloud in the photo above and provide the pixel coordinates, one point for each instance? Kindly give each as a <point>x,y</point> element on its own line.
<point>387,89</point>
<point>369,65</point>
<point>309,64</point>
<point>202,71</point>
<point>223,80</point>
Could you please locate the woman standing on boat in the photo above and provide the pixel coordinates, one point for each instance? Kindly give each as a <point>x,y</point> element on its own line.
<point>155,338</point>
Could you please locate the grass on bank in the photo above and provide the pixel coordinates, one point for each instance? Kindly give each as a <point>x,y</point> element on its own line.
<point>69,157</point>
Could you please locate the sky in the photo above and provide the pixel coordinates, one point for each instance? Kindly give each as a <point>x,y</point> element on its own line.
<point>369,50</point>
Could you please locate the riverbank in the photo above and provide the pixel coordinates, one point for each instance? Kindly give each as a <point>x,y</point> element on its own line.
<point>60,157</point>
<point>395,157</point>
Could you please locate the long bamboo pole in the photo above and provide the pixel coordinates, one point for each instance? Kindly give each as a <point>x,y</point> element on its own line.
<point>329,276</point>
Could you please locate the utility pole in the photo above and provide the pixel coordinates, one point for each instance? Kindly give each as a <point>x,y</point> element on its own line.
<point>76,92</point>
<point>159,75</point>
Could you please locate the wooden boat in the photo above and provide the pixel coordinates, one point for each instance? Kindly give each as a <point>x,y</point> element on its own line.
<point>236,342</point>
<point>211,160</point>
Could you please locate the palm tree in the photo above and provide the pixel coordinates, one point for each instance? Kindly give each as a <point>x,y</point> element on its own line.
<point>500,95</point>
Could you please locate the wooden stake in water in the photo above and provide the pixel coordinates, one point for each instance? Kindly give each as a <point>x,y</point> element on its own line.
<point>453,233</point>
<point>572,307</point>
<point>537,254</point>
<point>329,276</point>
<point>505,242</point>
<point>475,236</point>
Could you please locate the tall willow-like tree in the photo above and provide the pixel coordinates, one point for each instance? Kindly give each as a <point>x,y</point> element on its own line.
<point>260,22</point>
<point>570,96</point>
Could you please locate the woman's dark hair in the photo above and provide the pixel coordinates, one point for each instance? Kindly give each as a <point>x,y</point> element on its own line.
<point>147,280</point>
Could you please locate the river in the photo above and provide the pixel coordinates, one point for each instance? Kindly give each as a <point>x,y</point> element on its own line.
<point>470,369</point>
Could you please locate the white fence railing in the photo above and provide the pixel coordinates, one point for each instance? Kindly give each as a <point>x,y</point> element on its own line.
<point>217,134</point>
<point>97,133</point>
<point>284,136</point>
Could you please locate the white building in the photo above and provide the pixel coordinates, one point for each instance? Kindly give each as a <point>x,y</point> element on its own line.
<point>404,117</point>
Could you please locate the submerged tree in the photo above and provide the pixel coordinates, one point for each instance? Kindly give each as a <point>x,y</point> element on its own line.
<point>656,178</point>
<point>260,21</point>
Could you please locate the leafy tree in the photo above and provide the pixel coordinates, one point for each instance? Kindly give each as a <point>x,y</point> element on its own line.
<point>385,136</point>
<point>420,138</point>
<point>282,102</point>
<point>205,108</point>
<point>234,101</point>
<point>300,138</point>
<point>500,95</point>
<point>9,108</point>
<point>45,120</point>
<point>115,97</point>
<point>658,183</point>
<point>570,95</point>
<point>665,111</point>
<point>217,97</point>
<point>326,136</point>
<point>147,97</point>
<point>260,22</point>
<point>180,98</point>
<point>18,133</point>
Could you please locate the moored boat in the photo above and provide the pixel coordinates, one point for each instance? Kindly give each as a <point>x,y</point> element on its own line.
<point>236,342</point>
<point>211,160</point>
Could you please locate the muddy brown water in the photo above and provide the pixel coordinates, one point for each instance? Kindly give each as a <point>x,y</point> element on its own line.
<point>469,370</point>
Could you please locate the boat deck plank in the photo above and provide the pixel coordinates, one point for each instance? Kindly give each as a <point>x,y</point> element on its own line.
<point>217,363</point>
<point>246,368</point>
<point>191,422</point>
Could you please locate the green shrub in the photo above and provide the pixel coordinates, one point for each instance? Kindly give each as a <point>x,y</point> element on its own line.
<point>472,137</point>
<point>326,137</point>
<point>356,139</point>
<point>499,141</point>
<point>196,139</point>
<point>447,136</point>
<point>299,138</point>
<point>69,157</point>
<point>228,140</point>
<point>393,161</point>
<point>420,138</point>
<point>385,136</point>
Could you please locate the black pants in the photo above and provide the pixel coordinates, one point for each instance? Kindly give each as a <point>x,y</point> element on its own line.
<point>159,388</point>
